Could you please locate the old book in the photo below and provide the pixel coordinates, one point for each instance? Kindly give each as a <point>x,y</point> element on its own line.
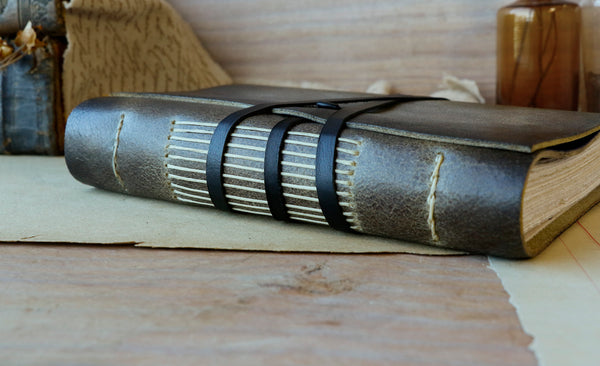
<point>47,14</point>
<point>32,117</point>
<point>503,181</point>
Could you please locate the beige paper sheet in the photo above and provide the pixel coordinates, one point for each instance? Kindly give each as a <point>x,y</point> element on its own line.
<point>41,202</point>
<point>133,46</point>
<point>557,295</point>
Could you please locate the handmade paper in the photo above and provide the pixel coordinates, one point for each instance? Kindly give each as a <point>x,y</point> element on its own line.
<point>42,202</point>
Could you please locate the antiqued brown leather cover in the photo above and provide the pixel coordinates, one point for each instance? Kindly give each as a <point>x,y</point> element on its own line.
<point>434,172</point>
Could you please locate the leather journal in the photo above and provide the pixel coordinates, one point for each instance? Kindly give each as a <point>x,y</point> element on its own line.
<point>503,181</point>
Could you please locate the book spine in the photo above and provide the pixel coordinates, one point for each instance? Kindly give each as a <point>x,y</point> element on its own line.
<point>31,105</point>
<point>47,14</point>
<point>435,193</point>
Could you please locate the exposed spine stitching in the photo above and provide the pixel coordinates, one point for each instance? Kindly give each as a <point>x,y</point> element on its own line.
<point>191,195</point>
<point>435,176</point>
<point>115,164</point>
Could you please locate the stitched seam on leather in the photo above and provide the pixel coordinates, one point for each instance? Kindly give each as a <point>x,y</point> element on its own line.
<point>350,210</point>
<point>435,176</point>
<point>115,164</point>
<point>186,181</point>
<point>167,153</point>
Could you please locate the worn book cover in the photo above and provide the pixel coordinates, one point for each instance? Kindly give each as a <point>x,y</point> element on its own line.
<point>32,117</point>
<point>497,180</point>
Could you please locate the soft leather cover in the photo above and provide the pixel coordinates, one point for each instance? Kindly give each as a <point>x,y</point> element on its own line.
<point>434,172</point>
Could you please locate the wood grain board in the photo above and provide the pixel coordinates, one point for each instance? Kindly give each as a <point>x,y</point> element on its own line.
<point>90,305</point>
<point>350,44</point>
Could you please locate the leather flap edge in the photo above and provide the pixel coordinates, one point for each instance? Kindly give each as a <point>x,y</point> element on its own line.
<point>519,129</point>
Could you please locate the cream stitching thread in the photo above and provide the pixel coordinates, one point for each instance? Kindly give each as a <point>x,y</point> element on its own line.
<point>168,156</point>
<point>187,145</point>
<point>435,176</point>
<point>115,164</point>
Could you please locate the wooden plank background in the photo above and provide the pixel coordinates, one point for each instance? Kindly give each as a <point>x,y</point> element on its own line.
<point>350,44</point>
<point>86,305</point>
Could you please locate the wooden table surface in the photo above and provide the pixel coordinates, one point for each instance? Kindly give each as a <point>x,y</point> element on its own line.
<point>94,305</point>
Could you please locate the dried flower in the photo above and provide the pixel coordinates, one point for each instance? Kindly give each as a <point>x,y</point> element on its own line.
<point>26,42</point>
<point>5,49</point>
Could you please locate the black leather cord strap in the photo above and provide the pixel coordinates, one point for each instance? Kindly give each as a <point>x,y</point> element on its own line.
<point>218,143</point>
<point>326,155</point>
<point>221,135</point>
<point>216,152</point>
<point>272,172</point>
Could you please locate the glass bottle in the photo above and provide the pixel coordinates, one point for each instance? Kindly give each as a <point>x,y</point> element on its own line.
<point>590,50</point>
<point>538,54</point>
